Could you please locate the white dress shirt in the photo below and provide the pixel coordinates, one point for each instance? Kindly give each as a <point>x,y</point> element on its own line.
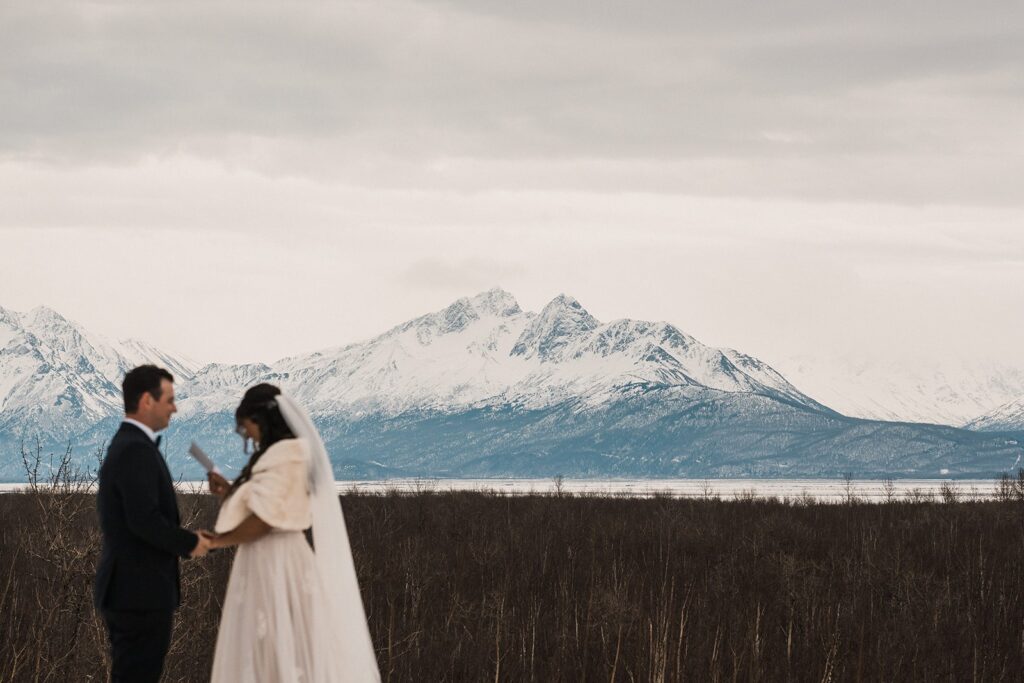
<point>149,432</point>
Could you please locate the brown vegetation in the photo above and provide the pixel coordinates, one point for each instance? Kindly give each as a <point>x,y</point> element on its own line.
<point>472,587</point>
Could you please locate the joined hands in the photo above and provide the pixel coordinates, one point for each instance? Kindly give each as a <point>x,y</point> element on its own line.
<point>203,546</point>
<point>219,486</point>
<point>208,540</point>
<point>212,539</point>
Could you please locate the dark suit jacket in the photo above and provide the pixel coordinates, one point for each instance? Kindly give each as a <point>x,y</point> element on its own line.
<point>142,539</point>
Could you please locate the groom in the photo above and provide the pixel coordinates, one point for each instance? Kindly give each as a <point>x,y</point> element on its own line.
<point>137,586</point>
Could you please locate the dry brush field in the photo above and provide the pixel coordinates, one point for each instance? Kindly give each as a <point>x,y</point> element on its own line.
<point>478,587</point>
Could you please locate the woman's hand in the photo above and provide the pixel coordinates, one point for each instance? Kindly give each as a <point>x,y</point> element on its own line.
<point>218,484</point>
<point>251,529</point>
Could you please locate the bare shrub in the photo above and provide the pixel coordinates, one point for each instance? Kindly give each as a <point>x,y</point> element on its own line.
<point>421,485</point>
<point>920,495</point>
<point>49,548</point>
<point>559,484</point>
<point>1009,487</point>
<point>849,496</point>
<point>949,492</point>
<point>807,498</point>
<point>748,495</point>
<point>889,490</point>
<point>1005,486</point>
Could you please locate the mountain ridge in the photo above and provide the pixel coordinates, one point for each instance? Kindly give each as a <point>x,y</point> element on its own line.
<point>481,384</point>
<point>956,391</point>
<point>1007,417</point>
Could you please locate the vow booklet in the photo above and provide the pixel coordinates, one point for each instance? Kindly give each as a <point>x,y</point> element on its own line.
<point>202,458</point>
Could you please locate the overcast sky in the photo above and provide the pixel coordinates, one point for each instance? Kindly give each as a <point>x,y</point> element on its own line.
<point>243,181</point>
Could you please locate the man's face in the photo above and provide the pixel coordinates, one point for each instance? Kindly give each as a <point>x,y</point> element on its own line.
<point>160,411</point>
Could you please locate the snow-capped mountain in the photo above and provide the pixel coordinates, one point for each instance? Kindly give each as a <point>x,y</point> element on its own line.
<point>1007,417</point>
<point>953,391</point>
<point>486,350</point>
<point>484,388</point>
<point>59,378</point>
<point>478,351</point>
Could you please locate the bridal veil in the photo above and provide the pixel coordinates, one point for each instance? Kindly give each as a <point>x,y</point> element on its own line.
<point>333,552</point>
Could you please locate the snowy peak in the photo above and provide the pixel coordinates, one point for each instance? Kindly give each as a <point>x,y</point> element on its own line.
<point>9,318</point>
<point>63,377</point>
<point>568,305</point>
<point>671,335</point>
<point>229,376</point>
<point>767,376</point>
<point>42,317</point>
<point>9,327</point>
<point>1007,417</point>
<point>138,352</point>
<point>457,317</point>
<point>561,321</point>
<point>217,387</point>
<point>496,302</point>
<point>53,329</point>
<point>615,337</point>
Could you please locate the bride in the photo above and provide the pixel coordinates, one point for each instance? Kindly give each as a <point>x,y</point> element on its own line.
<point>291,614</point>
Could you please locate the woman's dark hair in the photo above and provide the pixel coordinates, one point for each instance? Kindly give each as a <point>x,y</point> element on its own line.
<point>259,404</point>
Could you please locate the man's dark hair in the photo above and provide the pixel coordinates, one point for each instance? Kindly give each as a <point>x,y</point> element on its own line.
<point>142,380</point>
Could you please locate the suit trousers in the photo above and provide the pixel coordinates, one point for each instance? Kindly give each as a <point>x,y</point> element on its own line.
<point>139,640</point>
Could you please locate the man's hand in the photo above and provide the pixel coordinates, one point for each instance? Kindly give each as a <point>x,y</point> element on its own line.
<point>202,547</point>
<point>212,539</point>
<point>218,484</point>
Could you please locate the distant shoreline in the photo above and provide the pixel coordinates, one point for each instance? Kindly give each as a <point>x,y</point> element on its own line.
<point>821,490</point>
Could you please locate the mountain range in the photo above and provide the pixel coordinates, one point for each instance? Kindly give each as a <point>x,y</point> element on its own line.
<point>957,391</point>
<point>483,388</point>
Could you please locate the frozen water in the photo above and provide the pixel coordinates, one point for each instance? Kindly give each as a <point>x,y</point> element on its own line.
<point>825,490</point>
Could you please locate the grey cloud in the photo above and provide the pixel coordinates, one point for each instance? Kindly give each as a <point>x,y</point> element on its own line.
<point>804,100</point>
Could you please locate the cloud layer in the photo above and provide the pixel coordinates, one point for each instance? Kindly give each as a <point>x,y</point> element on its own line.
<point>779,177</point>
<point>871,102</point>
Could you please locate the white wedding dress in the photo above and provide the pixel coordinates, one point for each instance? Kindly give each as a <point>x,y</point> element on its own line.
<point>291,615</point>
